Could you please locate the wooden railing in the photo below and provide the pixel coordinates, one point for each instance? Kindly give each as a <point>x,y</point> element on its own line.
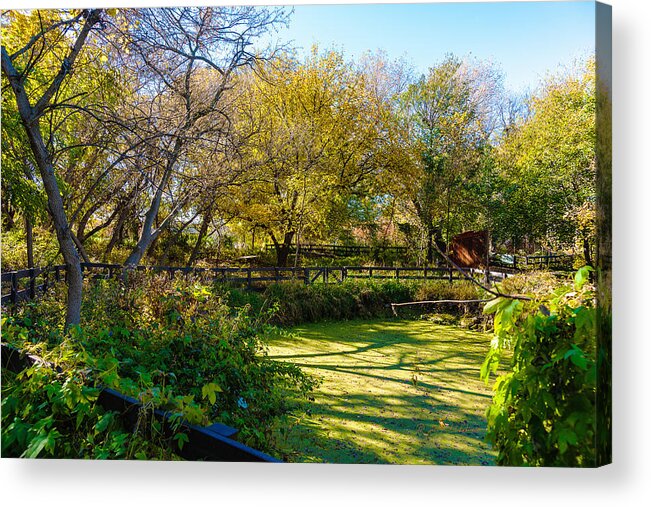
<point>342,250</point>
<point>523,262</point>
<point>26,284</point>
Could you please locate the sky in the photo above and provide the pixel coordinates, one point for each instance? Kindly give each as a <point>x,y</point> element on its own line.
<point>526,40</point>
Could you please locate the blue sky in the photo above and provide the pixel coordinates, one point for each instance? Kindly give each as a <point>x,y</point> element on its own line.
<point>525,39</point>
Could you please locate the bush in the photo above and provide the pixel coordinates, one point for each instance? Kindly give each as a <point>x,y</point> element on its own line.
<point>14,249</point>
<point>50,413</point>
<point>296,302</point>
<point>174,343</point>
<point>544,408</point>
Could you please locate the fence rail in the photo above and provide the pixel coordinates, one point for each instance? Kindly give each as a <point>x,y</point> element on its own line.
<point>342,250</point>
<point>26,284</point>
<point>523,262</point>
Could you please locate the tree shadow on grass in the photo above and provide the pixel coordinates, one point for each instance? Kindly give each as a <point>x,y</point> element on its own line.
<point>394,392</point>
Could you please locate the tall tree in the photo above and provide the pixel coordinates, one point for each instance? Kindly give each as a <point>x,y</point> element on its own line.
<point>449,116</point>
<point>315,133</point>
<point>547,162</point>
<point>27,56</point>
<point>185,60</point>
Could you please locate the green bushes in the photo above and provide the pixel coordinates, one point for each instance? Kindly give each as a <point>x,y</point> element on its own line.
<point>170,343</point>
<point>293,303</point>
<point>14,249</point>
<point>298,303</point>
<point>544,407</point>
<point>50,413</point>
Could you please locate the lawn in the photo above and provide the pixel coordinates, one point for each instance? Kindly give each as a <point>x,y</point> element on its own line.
<point>392,391</point>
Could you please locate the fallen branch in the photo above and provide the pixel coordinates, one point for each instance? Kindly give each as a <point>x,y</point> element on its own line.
<point>411,303</point>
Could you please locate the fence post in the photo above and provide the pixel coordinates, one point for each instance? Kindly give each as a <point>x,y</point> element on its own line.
<point>450,274</point>
<point>32,284</point>
<point>276,275</point>
<point>14,288</point>
<point>306,276</point>
<point>248,278</point>
<point>397,273</point>
<point>344,273</point>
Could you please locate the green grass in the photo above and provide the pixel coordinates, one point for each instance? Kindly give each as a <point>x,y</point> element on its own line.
<point>393,391</point>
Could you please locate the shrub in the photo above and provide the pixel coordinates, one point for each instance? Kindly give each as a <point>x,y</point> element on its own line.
<point>167,340</point>
<point>14,249</point>
<point>51,413</point>
<point>351,299</point>
<point>544,407</point>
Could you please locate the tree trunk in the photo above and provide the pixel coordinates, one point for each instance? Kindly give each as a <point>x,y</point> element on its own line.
<point>143,244</point>
<point>118,232</point>
<point>29,117</point>
<point>586,250</point>
<point>282,249</point>
<point>207,217</point>
<point>148,233</point>
<point>55,202</point>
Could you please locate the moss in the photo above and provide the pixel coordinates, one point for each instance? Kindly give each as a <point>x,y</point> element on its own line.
<point>393,391</point>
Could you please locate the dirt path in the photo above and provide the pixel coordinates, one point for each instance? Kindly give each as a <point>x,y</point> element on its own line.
<point>392,392</point>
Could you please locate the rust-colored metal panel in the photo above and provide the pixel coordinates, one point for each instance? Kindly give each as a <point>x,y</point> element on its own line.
<point>469,249</point>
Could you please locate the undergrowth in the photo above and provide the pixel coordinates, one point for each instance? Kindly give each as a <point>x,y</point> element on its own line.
<point>171,344</point>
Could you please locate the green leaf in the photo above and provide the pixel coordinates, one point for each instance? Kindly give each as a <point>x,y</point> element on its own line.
<point>181,439</point>
<point>492,306</point>
<point>582,276</point>
<point>104,422</point>
<point>35,446</point>
<point>209,390</point>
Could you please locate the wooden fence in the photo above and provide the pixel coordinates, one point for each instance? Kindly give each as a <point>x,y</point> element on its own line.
<point>211,443</point>
<point>343,250</point>
<point>26,284</point>
<point>524,262</point>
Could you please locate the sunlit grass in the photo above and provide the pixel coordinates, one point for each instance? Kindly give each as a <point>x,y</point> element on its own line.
<point>392,392</point>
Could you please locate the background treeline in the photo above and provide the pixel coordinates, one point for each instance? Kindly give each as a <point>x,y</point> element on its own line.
<point>182,136</point>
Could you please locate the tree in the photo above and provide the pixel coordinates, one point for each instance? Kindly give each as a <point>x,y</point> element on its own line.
<point>185,60</point>
<point>29,61</point>
<point>547,162</point>
<point>449,115</point>
<point>315,133</point>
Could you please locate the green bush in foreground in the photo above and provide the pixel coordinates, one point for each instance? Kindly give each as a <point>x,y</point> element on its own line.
<point>171,344</point>
<point>544,408</point>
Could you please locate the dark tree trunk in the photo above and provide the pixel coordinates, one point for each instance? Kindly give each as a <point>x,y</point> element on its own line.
<point>203,231</point>
<point>118,233</point>
<point>282,249</point>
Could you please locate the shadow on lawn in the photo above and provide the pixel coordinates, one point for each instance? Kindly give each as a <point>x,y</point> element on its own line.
<point>393,392</point>
<point>370,429</point>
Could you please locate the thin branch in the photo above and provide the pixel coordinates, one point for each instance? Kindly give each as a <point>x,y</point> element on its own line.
<point>494,292</point>
<point>411,303</point>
